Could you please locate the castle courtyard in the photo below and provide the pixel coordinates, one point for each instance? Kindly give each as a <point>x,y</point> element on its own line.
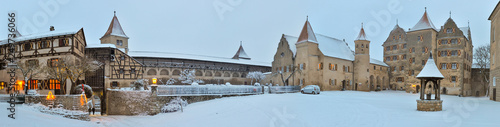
<point>330,108</point>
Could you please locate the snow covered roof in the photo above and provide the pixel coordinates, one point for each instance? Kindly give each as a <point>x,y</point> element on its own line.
<point>115,28</point>
<point>430,70</point>
<point>241,54</point>
<point>378,62</point>
<point>101,46</point>
<point>291,42</point>
<point>362,35</point>
<point>424,23</point>
<point>475,65</point>
<point>334,47</point>
<point>42,35</point>
<point>331,47</point>
<point>307,34</point>
<point>195,57</point>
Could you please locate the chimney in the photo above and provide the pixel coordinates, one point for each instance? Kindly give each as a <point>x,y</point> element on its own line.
<point>52,28</point>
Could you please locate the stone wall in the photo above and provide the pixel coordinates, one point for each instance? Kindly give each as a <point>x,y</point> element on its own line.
<point>144,103</point>
<point>69,102</point>
<point>429,105</point>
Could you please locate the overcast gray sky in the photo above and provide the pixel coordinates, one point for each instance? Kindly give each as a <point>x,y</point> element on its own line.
<point>215,27</point>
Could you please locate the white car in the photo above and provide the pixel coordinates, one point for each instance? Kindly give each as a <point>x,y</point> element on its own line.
<point>312,89</point>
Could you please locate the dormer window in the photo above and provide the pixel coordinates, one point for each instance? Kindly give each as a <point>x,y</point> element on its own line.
<point>282,54</point>
<point>362,46</point>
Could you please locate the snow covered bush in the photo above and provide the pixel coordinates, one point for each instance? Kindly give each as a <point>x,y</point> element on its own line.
<point>195,84</point>
<point>58,110</point>
<point>140,84</point>
<point>174,105</point>
<point>256,75</point>
<point>228,84</point>
<point>171,81</point>
<point>188,76</point>
<point>256,84</point>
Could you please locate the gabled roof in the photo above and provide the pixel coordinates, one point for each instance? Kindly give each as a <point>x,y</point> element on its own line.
<point>331,47</point>
<point>424,23</point>
<point>430,70</point>
<point>362,35</point>
<point>496,7</point>
<point>241,54</point>
<point>115,28</point>
<point>42,35</point>
<point>307,34</point>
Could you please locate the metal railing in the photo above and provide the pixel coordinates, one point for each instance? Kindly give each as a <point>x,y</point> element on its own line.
<point>284,89</point>
<point>186,90</point>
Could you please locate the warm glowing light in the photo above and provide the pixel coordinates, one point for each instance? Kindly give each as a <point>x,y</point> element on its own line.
<point>154,80</point>
<point>20,84</point>
<point>83,99</point>
<point>413,85</point>
<point>51,96</point>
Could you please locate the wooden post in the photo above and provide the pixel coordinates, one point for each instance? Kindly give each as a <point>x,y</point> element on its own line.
<point>422,89</point>
<point>438,95</point>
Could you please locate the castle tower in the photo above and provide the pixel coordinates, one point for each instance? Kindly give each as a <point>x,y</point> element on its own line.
<point>115,35</point>
<point>307,58</point>
<point>362,62</point>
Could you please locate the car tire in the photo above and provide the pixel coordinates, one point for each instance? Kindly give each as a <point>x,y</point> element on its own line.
<point>313,92</point>
<point>302,92</point>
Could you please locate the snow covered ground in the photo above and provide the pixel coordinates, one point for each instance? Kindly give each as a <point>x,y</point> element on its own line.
<point>330,108</point>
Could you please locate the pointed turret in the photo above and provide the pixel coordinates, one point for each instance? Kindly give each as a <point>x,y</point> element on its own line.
<point>115,35</point>
<point>241,54</point>
<point>307,34</point>
<point>115,28</point>
<point>424,23</point>
<point>362,35</point>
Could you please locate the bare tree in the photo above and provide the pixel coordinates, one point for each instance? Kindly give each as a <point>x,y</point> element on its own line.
<point>293,69</point>
<point>482,58</point>
<point>67,68</point>
<point>28,69</point>
<point>255,75</point>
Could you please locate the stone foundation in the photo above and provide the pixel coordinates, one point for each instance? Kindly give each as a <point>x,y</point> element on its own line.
<point>429,105</point>
<point>145,103</point>
<point>69,102</point>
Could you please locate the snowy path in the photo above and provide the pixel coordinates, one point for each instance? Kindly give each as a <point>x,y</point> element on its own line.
<point>330,108</point>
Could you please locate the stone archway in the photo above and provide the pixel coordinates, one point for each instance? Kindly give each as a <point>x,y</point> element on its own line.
<point>151,72</point>
<point>218,74</point>
<point>235,74</point>
<point>198,73</point>
<point>164,72</point>
<point>378,83</point>
<point>208,74</point>
<point>176,72</point>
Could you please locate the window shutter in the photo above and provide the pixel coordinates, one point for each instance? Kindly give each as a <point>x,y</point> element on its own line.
<point>453,30</point>
<point>304,66</point>
<point>449,41</point>
<point>335,66</point>
<point>458,41</point>
<point>439,53</point>
<point>410,50</point>
<point>448,65</point>
<point>426,50</point>
<point>439,42</point>
<point>448,52</point>
<point>459,52</point>
<point>458,65</point>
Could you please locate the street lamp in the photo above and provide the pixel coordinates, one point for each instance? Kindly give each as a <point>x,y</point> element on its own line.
<point>154,86</point>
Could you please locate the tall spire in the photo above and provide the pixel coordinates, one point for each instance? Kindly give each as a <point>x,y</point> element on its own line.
<point>362,35</point>
<point>307,34</point>
<point>115,28</point>
<point>450,14</point>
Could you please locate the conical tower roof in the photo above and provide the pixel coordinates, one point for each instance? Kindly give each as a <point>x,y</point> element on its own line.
<point>424,23</point>
<point>307,34</point>
<point>115,28</point>
<point>430,70</point>
<point>362,35</point>
<point>241,54</point>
